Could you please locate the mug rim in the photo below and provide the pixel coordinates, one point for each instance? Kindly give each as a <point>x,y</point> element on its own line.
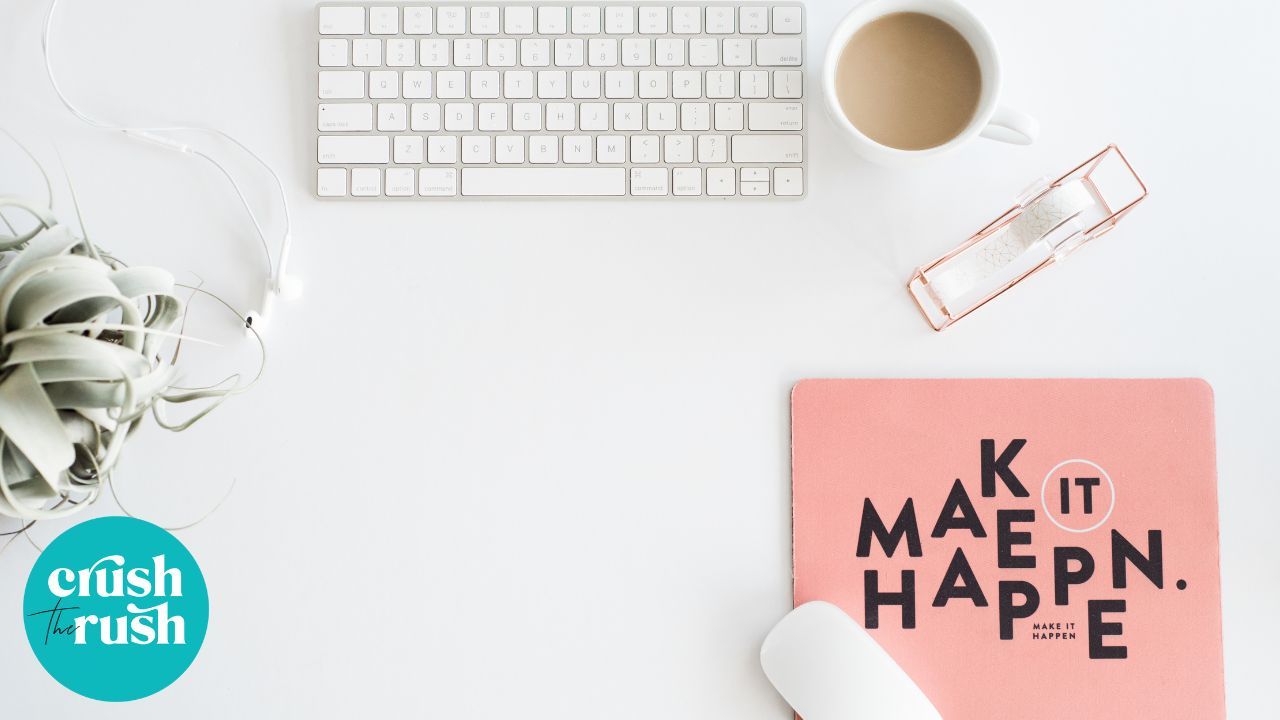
<point>850,24</point>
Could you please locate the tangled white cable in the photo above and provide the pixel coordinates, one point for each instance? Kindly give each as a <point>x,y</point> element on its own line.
<point>81,337</point>
<point>278,283</point>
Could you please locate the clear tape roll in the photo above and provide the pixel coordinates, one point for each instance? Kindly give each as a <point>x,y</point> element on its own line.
<point>963,273</point>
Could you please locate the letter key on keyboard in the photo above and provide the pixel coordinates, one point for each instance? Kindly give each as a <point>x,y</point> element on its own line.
<point>547,99</point>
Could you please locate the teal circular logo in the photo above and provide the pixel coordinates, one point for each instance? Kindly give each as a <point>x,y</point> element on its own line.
<point>116,609</point>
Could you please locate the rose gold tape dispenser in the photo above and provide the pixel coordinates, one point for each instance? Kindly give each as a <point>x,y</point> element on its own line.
<point>1051,220</point>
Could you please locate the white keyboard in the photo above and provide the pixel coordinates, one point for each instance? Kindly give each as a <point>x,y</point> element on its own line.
<point>427,100</point>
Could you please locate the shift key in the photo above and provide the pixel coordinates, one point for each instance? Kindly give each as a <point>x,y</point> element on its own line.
<point>354,149</point>
<point>768,148</point>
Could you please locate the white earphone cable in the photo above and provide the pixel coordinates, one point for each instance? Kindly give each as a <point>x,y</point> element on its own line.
<point>275,269</point>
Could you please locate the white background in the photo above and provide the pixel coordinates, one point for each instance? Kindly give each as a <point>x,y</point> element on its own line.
<point>531,459</point>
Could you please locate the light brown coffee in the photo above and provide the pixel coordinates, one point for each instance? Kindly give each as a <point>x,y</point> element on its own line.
<point>909,81</point>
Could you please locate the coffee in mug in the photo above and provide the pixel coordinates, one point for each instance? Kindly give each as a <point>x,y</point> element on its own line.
<point>909,81</point>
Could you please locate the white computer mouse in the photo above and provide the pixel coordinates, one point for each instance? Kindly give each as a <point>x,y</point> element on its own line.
<point>829,668</point>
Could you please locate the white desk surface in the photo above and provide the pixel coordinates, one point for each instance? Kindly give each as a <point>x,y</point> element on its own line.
<point>531,459</point>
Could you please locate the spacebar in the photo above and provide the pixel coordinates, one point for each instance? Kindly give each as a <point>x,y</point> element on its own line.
<point>544,181</point>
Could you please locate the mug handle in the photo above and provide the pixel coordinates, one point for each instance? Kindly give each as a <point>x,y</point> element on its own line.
<point>1011,126</point>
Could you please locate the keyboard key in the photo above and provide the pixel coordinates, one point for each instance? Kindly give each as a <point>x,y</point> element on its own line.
<point>721,181</point>
<point>645,149</point>
<point>695,116</point>
<point>345,117</point>
<point>753,84</point>
<point>611,149</point>
<point>561,116</point>
<point>786,20</point>
<point>653,84</point>
<point>535,52</point>
<point>341,21</point>
<point>433,53</point>
<point>721,84</point>
<point>476,149</point>
<point>382,21</point>
<point>767,149</point>
<point>602,52</point>
<point>577,149</point>
<point>678,149</point>
<point>334,53</point>
<point>552,20</point>
<point>518,21</point>
<point>569,52</point>
<point>502,52</point>
<point>544,149</point>
<point>424,117</point>
<point>451,20</point>
<point>459,117</point>
<point>416,84</point>
<point>669,52</point>
<point>636,52</point>
<point>408,150</point>
<point>585,84</point>
<point>628,116</point>
<point>704,52</point>
<point>737,53</point>
<point>485,84</point>
<point>712,149</point>
<point>686,181</point>
<point>775,116</point>
<point>593,116</point>
<point>619,20</point>
<point>509,149</point>
<point>484,20</point>
<point>787,84</point>
<point>720,20</point>
<point>437,182</point>
<point>753,20</point>
<point>384,84</point>
<point>526,116</point>
<point>543,181</point>
<point>366,182</point>
<point>649,181</point>
<point>686,84</point>
<point>653,20</point>
<point>619,84</point>
<point>393,117</point>
<point>354,149</point>
<point>517,84</point>
<point>492,117</point>
<point>585,20</point>
<point>729,116</point>
<point>402,52</point>
<point>661,116</point>
<point>774,52</point>
<point>442,149</point>
<point>366,53</point>
<point>451,84</point>
<point>417,21</point>
<point>686,20</point>
<point>400,182</point>
<point>331,182</point>
<point>341,84</point>
<point>788,181</point>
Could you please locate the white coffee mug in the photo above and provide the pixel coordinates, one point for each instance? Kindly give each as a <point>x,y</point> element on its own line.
<point>991,120</point>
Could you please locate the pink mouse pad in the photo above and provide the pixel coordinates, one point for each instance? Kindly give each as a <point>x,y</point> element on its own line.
<point>1023,548</point>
